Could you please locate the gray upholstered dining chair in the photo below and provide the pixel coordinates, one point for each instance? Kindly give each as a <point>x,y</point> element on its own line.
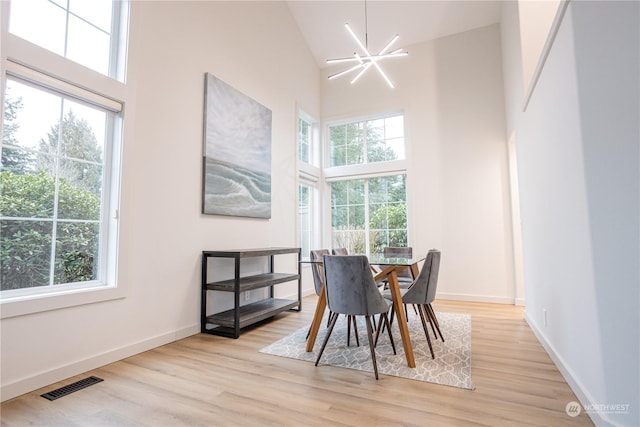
<point>422,293</point>
<point>351,290</point>
<point>317,271</point>
<point>405,277</point>
<point>397,251</point>
<point>318,277</point>
<point>350,319</point>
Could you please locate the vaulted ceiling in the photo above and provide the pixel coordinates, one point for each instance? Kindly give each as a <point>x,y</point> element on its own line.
<point>322,22</point>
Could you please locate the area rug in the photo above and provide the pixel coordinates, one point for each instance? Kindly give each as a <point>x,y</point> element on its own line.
<point>451,366</point>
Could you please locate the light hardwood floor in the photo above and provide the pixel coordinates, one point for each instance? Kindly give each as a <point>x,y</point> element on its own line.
<point>213,381</point>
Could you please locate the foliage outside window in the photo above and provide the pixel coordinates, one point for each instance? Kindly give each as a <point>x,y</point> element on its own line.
<point>367,141</point>
<point>52,179</point>
<point>84,31</point>
<point>369,214</point>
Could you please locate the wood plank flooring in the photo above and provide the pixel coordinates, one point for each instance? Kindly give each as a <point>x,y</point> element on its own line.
<point>206,380</point>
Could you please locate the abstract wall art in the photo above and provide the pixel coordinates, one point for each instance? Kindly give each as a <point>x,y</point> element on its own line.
<point>237,153</point>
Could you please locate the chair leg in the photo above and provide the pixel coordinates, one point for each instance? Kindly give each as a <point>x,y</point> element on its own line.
<point>326,339</point>
<point>331,314</point>
<point>435,322</point>
<point>388,326</point>
<point>380,326</point>
<point>306,338</point>
<point>426,329</point>
<point>355,330</point>
<point>430,320</point>
<point>372,347</point>
<point>348,330</point>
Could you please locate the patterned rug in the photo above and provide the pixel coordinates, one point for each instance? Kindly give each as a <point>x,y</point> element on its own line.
<point>452,365</point>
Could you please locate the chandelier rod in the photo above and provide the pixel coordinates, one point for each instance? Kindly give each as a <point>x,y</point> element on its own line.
<point>366,29</point>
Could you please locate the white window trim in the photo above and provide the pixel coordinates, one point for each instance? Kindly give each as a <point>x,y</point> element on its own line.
<point>366,170</point>
<point>25,60</point>
<point>315,203</point>
<point>310,174</point>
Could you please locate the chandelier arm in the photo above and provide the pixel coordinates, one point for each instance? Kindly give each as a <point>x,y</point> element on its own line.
<point>357,39</point>
<point>388,55</point>
<point>383,74</point>
<point>393,40</point>
<point>341,60</point>
<point>347,71</point>
<point>365,67</point>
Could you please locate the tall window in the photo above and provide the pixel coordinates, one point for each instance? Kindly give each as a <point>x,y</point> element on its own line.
<point>88,32</point>
<point>54,188</point>
<point>308,177</point>
<point>61,145</point>
<point>368,184</point>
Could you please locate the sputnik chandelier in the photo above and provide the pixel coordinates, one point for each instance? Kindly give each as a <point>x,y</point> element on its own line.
<point>366,60</point>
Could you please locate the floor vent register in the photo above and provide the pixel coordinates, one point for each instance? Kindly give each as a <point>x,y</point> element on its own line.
<point>71,388</point>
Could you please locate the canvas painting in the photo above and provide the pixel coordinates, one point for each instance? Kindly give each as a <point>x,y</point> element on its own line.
<point>237,153</point>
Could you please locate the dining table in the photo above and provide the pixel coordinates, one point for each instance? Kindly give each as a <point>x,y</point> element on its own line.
<point>386,269</point>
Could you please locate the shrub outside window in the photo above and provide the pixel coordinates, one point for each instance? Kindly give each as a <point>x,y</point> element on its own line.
<point>55,188</point>
<point>369,214</point>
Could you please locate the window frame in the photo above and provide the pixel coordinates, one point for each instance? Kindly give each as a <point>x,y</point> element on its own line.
<point>118,31</point>
<point>22,60</point>
<point>310,174</point>
<point>364,171</point>
<point>357,120</point>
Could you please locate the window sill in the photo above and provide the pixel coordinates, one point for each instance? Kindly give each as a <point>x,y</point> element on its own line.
<point>21,306</point>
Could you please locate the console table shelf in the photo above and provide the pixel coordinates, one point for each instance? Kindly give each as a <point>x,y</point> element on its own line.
<point>252,282</point>
<point>229,322</point>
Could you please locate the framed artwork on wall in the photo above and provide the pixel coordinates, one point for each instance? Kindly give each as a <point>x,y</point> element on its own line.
<point>237,153</point>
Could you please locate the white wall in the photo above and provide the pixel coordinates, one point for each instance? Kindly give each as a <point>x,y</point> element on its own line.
<point>256,48</point>
<point>578,151</point>
<point>458,178</point>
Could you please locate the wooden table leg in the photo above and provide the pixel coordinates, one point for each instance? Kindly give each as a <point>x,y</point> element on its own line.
<point>415,271</point>
<point>394,287</point>
<point>317,319</point>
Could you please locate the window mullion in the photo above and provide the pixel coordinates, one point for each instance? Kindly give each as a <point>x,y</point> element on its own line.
<point>367,243</point>
<point>66,29</point>
<point>56,193</point>
<point>365,150</point>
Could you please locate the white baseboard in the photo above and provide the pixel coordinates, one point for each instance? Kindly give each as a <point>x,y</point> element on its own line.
<point>520,302</point>
<point>43,379</point>
<point>574,383</point>
<point>475,298</point>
